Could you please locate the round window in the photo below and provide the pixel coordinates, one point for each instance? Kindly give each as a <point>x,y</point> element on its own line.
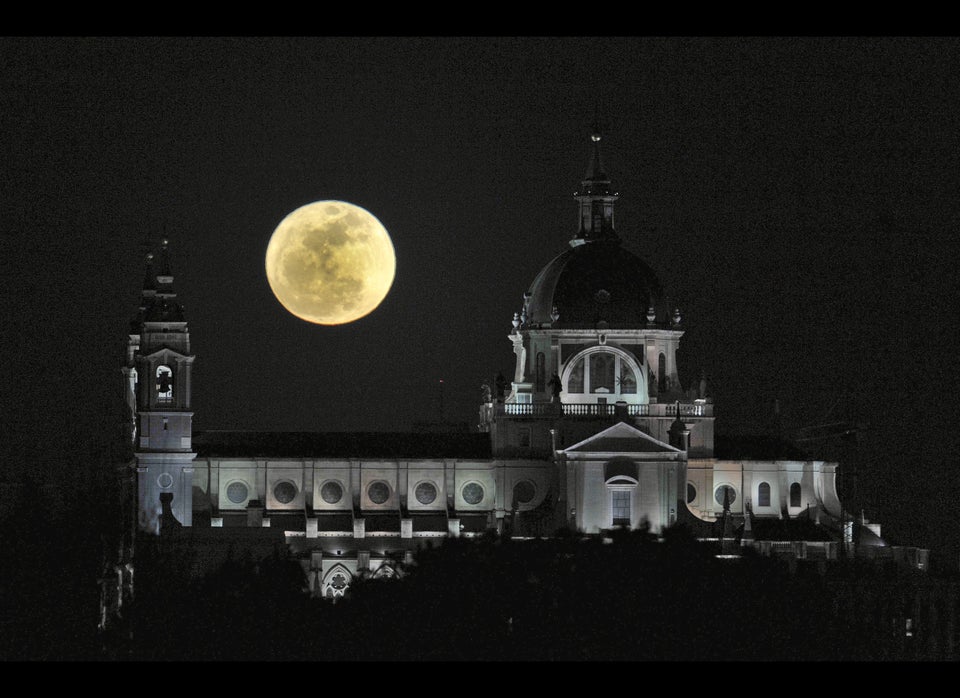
<point>379,492</point>
<point>691,492</point>
<point>473,493</point>
<point>426,493</point>
<point>331,492</point>
<point>284,492</point>
<point>165,480</point>
<point>237,492</point>
<point>523,491</point>
<point>725,491</point>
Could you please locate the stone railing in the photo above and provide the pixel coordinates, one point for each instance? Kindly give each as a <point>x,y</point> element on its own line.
<point>593,409</point>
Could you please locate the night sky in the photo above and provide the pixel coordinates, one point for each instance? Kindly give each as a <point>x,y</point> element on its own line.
<point>798,198</point>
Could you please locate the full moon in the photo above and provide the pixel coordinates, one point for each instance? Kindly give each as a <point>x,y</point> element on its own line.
<point>330,262</point>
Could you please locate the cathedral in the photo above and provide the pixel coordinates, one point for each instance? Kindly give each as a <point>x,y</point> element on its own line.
<point>594,431</point>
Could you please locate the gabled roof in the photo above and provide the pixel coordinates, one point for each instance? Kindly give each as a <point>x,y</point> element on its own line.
<point>250,444</point>
<point>165,352</point>
<point>621,438</point>
<point>756,447</point>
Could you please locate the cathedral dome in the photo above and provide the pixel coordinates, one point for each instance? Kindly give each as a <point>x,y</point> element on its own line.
<point>592,283</point>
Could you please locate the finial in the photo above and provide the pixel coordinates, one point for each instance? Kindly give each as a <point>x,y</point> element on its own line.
<point>651,315</point>
<point>164,242</point>
<point>149,257</point>
<point>676,316</point>
<point>555,314</point>
<point>516,320</point>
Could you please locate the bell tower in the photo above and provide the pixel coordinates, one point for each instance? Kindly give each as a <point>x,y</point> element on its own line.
<point>157,383</point>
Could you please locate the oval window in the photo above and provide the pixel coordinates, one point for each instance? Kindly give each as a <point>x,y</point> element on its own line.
<point>331,492</point>
<point>524,491</point>
<point>725,491</point>
<point>473,493</point>
<point>237,492</point>
<point>284,492</point>
<point>426,493</point>
<point>378,492</point>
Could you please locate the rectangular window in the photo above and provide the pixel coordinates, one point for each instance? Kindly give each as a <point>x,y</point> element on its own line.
<point>541,373</point>
<point>628,383</point>
<point>602,373</point>
<point>620,506</point>
<point>523,437</point>
<point>575,381</point>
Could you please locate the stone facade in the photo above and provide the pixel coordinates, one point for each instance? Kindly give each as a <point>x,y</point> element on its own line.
<point>593,431</point>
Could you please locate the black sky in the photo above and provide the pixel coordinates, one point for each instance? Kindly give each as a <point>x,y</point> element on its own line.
<point>797,196</point>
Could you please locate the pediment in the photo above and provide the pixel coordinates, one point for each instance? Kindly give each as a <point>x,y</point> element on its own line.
<point>165,354</point>
<point>621,438</point>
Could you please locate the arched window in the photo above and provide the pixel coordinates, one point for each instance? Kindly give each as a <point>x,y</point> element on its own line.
<point>336,582</point>
<point>603,372</point>
<point>662,374</point>
<point>541,372</point>
<point>795,494</point>
<point>164,384</point>
<point>763,494</point>
<point>386,571</point>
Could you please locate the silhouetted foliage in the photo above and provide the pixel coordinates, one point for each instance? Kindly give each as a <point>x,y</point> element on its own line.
<point>49,565</point>
<point>621,596</point>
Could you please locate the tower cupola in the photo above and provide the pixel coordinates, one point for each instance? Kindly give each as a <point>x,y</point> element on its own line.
<point>596,198</point>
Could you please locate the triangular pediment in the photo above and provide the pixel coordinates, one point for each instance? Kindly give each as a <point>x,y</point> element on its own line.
<point>165,354</point>
<point>621,438</point>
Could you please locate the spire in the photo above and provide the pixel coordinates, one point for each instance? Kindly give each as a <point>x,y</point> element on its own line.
<point>596,199</point>
<point>164,274</point>
<point>595,171</point>
<point>164,259</point>
<point>149,278</point>
<point>158,301</point>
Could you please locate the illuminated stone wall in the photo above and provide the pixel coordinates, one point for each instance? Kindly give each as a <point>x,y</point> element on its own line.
<point>375,485</point>
<point>817,481</point>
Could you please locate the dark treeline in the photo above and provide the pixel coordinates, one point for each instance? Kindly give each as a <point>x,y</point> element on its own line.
<point>631,598</point>
<point>566,598</point>
<point>50,563</point>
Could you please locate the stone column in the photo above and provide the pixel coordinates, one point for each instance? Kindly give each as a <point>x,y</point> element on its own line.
<point>186,495</point>
<point>316,572</point>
